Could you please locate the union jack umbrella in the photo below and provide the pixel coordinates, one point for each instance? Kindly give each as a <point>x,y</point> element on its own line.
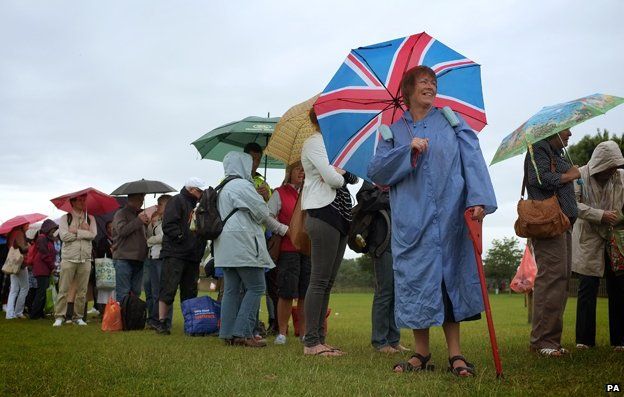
<point>365,93</point>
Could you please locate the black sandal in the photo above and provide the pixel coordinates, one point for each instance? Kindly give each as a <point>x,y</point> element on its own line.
<point>406,366</point>
<point>470,368</point>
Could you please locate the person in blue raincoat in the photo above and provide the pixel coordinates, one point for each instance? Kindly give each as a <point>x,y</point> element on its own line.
<point>435,172</point>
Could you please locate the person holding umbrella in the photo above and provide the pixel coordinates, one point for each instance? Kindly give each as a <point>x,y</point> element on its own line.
<point>548,173</point>
<point>77,229</point>
<point>435,173</point>
<point>19,282</point>
<point>129,238</point>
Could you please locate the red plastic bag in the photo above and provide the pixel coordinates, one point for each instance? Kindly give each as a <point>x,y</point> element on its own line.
<point>112,316</point>
<point>524,279</point>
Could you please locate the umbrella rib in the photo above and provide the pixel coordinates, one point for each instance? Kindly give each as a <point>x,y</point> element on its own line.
<point>373,72</point>
<point>474,65</point>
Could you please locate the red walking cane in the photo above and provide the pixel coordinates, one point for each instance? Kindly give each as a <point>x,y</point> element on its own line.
<point>475,228</point>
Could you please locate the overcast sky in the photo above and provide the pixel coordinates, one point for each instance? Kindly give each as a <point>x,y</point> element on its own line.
<point>99,93</point>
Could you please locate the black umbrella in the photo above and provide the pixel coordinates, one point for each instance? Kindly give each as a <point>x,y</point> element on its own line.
<point>142,186</point>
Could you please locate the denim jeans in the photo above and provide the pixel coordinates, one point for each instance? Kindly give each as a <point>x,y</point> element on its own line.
<point>17,296</point>
<point>385,332</point>
<point>155,271</point>
<point>238,312</point>
<point>128,277</point>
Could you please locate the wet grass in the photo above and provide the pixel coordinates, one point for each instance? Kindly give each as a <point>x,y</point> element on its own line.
<point>36,359</point>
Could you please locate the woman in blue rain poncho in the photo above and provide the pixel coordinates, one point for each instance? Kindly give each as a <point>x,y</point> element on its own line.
<point>435,172</point>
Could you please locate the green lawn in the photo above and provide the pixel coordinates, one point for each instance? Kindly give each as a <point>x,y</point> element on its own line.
<point>36,359</point>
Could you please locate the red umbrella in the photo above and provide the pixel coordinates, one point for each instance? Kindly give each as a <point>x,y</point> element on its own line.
<point>97,203</point>
<point>20,220</point>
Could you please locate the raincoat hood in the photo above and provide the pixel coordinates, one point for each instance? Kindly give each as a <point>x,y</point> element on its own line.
<point>607,155</point>
<point>238,163</point>
<point>48,225</point>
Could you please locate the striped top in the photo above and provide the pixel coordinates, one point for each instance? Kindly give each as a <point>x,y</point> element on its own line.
<point>550,184</point>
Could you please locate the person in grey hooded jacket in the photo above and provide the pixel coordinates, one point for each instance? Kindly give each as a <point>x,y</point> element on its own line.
<point>241,252</point>
<point>600,200</point>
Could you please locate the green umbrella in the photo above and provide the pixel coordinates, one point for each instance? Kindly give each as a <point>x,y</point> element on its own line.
<point>215,144</point>
<point>552,120</point>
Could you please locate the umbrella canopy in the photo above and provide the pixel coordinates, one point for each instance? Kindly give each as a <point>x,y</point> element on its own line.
<point>553,119</point>
<point>149,211</point>
<point>142,186</point>
<point>291,131</point>
<point>365,93</point>
<point>233,136</point>
<point>20,220</point>
<point>97,202</point>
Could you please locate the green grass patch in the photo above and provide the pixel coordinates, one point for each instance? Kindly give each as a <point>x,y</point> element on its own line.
<point>37,359</point>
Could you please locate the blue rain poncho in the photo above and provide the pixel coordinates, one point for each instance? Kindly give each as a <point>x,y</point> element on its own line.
<point>428,196</point>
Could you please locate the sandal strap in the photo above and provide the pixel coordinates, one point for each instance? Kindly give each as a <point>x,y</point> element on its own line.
<point>423,359</point>
<point>462,358</point>
<point>547,351</point>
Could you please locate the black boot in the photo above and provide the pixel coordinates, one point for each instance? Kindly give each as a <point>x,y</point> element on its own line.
<point>163,327</point>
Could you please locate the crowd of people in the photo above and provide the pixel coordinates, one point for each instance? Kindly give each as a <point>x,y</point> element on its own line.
<point>427,173</point>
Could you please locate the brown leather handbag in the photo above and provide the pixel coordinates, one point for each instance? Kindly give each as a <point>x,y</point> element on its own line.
<point>298,235</point>
<point>274,244</point>
<point>540,218</point>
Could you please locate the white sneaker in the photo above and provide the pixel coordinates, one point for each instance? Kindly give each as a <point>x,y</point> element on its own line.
<point>93,310</point>
<point>68,321</point>
<point>80,322</point>
<point>58,322</point>
<point>280,339</point>
<point>4,308</point>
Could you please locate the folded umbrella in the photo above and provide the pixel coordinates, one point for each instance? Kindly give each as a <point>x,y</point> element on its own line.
<point>97,203</point>
<point>20,220</point>
<point>142,186</point>
<point>293,128</point>
<point>475,231</point>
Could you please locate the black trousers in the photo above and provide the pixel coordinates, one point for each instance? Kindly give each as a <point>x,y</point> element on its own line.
<point>586,308</point>
<point>39,301</point>
<point>178,272</point>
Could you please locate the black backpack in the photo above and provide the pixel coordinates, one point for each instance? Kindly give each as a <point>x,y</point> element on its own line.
<point>359,229</point>
<point>133,313</point>
<point>208,223</point>
<point>369,231</point>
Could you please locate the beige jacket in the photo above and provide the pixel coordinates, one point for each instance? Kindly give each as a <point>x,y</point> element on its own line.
<point>77,246</point>
<point>589,235</point>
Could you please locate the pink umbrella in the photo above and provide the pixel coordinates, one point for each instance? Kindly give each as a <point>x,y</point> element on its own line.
<point>97,203</point>
<point>20,220</point>
<point>149,211</point>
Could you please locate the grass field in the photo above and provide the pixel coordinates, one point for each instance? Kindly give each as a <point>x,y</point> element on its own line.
<point>38,360</point>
